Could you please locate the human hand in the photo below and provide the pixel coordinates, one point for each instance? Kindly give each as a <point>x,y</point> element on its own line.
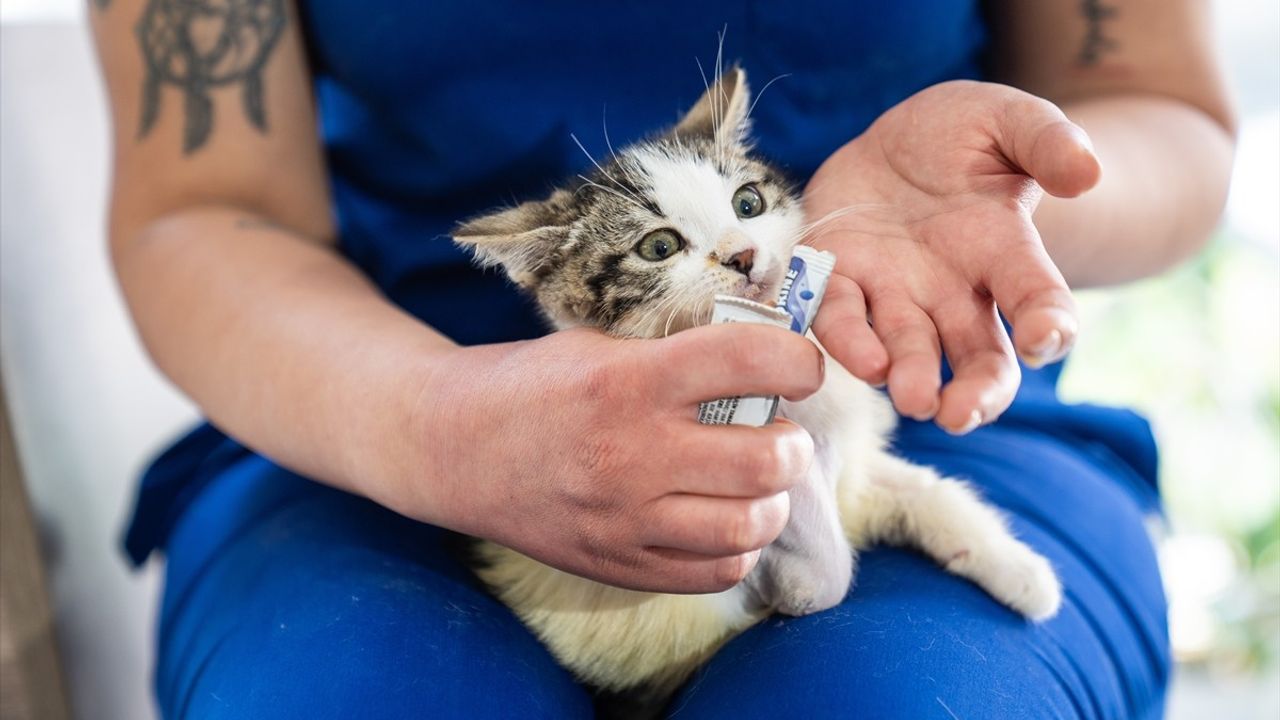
<point>937,235</point>
<point>584,451</point>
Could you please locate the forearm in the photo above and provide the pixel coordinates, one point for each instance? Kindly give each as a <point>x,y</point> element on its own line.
<point>1166,167</point>
<point>282,344</point>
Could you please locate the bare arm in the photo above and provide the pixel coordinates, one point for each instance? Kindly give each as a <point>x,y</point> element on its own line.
<point>221,235</point>
<point>1142,78</point>
<point>222,240</point>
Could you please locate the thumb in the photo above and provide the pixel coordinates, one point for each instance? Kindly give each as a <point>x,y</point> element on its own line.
<point>1043,143</point>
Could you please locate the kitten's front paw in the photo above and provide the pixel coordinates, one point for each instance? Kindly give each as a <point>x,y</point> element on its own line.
<point>1015,575</point>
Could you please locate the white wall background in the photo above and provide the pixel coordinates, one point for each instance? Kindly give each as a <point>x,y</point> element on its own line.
<point>89,410</point>
<point>87,407</point>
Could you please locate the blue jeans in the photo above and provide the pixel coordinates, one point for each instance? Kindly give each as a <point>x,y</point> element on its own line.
<point>287,599</point>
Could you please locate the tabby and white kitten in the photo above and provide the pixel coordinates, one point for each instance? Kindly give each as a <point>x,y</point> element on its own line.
<point>639,248</point>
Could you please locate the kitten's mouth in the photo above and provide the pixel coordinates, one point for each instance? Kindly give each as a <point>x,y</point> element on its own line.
<point>761,291</point>
<point>757,291</point>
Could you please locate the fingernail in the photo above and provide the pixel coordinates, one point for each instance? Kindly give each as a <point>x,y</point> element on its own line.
<point>928,414</point>
<point>920,417</point>
<point>1050,345</point>
<point>1082,137</point>
<point>975,419</point>
<point>1046,351</point>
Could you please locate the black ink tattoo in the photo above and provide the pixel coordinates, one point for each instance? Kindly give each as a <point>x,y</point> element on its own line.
<point>1096,41</point>
<point>198,45</point>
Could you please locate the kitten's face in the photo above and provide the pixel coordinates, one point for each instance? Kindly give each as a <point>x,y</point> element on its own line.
<point>641,246</point>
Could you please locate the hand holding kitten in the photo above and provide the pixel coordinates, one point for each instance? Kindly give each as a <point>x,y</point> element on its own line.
<point>594,461</point>
<point>942,188</point>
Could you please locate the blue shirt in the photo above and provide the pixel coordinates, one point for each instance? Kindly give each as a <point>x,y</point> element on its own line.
<point>435,111</point>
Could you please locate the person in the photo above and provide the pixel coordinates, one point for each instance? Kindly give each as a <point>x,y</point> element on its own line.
<point>285,179</point>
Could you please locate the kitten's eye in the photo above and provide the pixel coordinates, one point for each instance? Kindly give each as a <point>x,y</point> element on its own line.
<point>747,202</point>
<point>659,245</point>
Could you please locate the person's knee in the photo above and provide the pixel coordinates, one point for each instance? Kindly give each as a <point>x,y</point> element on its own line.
<point>912,642</point>
<point>921,673</point>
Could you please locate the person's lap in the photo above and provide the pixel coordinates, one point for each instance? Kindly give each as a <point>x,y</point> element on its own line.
<point>287,599</point>
<point>911,641</point>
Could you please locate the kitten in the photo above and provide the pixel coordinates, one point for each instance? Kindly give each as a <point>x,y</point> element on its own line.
<point>639,248</point>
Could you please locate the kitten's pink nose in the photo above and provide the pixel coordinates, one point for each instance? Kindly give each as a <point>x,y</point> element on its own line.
<point>741,261</point>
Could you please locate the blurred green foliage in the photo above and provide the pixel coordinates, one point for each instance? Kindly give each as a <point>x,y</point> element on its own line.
<point>1197,351</point>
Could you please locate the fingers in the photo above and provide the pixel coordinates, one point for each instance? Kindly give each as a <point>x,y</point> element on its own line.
<point>707,538</point>
<point>911,340</point>
<point>1039,138</point>
<point>985,374</point>
<point>727,360</point>
<point>668,570</point>
<point>1044,326</point>
<point>1033,295</point>
<point>715,527</point>
<point>741,462</point>
<point>843,330</point>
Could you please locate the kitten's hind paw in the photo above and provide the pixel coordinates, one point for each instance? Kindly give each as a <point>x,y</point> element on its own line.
<point>1015,575</point>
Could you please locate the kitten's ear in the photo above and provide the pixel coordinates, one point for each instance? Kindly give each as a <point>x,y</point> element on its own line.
<point>522,239</point>
<point>721,108</point>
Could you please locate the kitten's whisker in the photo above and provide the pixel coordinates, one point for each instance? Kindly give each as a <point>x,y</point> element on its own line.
<point>598,186</point>
<point>646,324</point>
<point>719,100</point>
<point>676,307</point>
<point>604,123</point>
<point>723,145</point>
<point>703,309</point>
<point>626,171</point>
<point>666,328</point>
<point>707,87</point>
<point>653,315</point>
<point>711,97</point>
<point>809,228</point>
<point>760,94</point>
<point>603,171</point>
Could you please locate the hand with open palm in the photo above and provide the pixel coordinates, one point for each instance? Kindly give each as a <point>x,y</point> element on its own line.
<point>929,214</point>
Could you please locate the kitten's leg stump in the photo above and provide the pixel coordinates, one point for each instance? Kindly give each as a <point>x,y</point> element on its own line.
<point>905,504</point>
<point>809,567</point>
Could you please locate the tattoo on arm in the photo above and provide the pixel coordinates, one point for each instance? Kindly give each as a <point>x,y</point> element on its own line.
<point>198,45</point>
<point>1096,42</point>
